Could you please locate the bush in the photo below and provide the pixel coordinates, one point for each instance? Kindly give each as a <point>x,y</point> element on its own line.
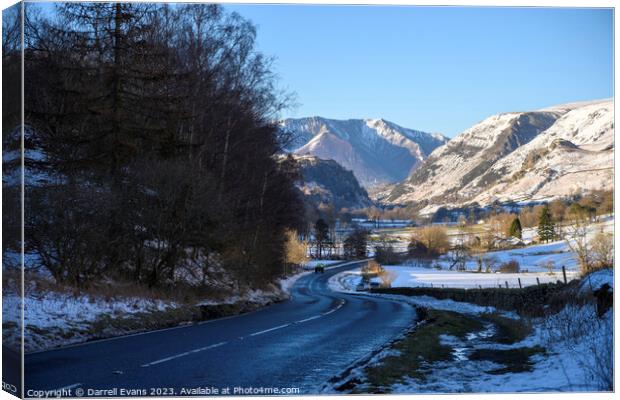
<point>433,238</point>
<point>510,267</point>
<point>386,255</point>
<point>417,248</point>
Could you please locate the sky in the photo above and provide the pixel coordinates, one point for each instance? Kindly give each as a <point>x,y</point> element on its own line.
<point>436,69</point>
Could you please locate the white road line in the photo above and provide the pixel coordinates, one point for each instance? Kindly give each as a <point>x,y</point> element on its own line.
<point>308,319</point>
<point>93,342</point>
<point>338,307</point>
<point>269,330</point>
<point>184,354</point>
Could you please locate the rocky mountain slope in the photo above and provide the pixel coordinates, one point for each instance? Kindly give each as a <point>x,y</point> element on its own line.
<point>327,182</point>
<point>518,156</point>
<point>377,151</point>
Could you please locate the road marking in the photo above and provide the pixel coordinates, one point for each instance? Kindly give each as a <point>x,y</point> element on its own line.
<point>183,326</point>
<point>338,307</point>
<point>269,330</point>
<point>187,353</point>
<point>308,319</point>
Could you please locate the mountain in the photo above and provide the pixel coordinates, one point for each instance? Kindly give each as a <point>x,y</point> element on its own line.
<point>518,156</point>
<point>327,182</point>
<point>377,151</point>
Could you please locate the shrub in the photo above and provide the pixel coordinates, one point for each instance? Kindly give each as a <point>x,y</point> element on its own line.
<point>511,266</point>
<point>434,238</point>
<point>386,255</point>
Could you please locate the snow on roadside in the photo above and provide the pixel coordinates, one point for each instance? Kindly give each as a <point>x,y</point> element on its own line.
<point>578,357</point>
<point>49,316</point>
<point>532,261</point>
<point>595,280</point>
<point>444,304</point>
<point>578,349</point>
<point>313,263</point>
<point>287,283</point>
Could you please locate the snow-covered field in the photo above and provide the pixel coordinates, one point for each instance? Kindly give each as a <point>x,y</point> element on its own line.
<point>532,261</point>
<point>415,277</point>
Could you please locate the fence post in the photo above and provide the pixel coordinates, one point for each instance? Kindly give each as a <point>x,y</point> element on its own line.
<point>431,284</point>
<point>564,274</point>
<point>500,285</point>
<point>537,281</point>
<point>519,279</point>
<point>506,284</point>
<point>480,286</point>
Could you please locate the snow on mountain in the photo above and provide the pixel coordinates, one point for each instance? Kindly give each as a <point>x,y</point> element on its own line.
<point>519,156</point>
<point>377,151</point>
<point>575,154</point>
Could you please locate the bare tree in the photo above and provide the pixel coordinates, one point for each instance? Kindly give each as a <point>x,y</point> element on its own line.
<point>434,238</point>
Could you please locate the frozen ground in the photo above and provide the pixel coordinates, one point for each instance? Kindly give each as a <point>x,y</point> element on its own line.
<point>569,363</point>
<point>532,260</point>
<point>578,351</point>
<point>55,318</point>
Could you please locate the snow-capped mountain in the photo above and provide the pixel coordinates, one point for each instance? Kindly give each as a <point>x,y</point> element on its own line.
<point>519,156</point>
<point>377,151</point>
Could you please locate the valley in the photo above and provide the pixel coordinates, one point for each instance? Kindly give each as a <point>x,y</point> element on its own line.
<point>515,158</point>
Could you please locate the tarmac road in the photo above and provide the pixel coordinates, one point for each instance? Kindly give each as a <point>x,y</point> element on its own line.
<point>299,343</point>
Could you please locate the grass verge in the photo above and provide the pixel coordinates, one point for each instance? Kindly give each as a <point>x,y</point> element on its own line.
<point>423,347</point>
<point>508,330</point>
<point>420,347</point>
<point>513,360</point>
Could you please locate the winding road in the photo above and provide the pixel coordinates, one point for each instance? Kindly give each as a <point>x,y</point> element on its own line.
<point>299,343</point>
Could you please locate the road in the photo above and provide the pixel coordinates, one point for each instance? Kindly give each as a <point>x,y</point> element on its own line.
<point>299,343</point>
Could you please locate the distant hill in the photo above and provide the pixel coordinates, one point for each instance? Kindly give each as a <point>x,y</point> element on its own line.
<point>378,152</point>
<point>518,156</point>
<point>327,182</point>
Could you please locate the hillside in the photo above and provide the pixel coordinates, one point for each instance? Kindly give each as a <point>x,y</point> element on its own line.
<point>377,151</point>
<point>326,182</point>
<point>518,156</point>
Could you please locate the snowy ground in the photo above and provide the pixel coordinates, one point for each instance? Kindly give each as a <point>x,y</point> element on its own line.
<point>568,365</point>
<point>401,237</point>
<point>532,261</point>
<point>313,263</point>
<point>578,351</point>
<point>54,318</point>
<point>427,277</point>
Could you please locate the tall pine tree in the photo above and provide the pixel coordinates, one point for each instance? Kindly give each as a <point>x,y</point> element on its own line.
<point>546,227</point>
<point>515,228</point>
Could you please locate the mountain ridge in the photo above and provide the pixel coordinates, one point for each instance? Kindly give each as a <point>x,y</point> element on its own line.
<point>517,155</point>
<point>376,150</point>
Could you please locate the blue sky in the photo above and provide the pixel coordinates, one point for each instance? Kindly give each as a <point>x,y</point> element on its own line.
<point>437,69</point>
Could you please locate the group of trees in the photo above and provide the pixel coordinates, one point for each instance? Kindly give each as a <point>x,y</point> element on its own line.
<point>356,243</point>
<point>152,129</point>
<point>560,219</point>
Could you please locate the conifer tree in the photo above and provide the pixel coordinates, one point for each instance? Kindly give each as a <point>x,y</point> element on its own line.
<point>515,228</point>
<point>546,227</point>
